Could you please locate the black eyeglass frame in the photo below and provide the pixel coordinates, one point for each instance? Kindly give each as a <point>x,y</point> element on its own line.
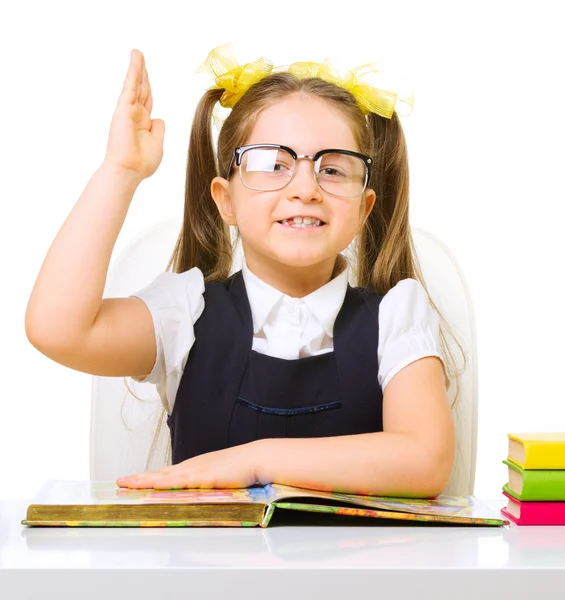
<point>240,151</point>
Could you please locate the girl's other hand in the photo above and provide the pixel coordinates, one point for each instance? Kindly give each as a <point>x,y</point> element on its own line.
<point>135,142</point>
<point>230,468</point>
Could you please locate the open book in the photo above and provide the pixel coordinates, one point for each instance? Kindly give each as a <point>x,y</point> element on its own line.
<point>103,504</point>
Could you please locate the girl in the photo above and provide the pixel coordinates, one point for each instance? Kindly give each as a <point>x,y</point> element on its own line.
<point>281,372</point>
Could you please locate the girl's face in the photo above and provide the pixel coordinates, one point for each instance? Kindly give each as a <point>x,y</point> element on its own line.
<point>306,124</point>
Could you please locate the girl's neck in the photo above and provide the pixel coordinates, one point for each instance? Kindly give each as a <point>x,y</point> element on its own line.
<point>296,282</point>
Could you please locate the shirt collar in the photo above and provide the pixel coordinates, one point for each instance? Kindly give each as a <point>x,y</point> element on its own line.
<point>324,303</point>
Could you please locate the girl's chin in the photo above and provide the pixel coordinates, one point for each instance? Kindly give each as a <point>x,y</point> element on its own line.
<point>302,260</point>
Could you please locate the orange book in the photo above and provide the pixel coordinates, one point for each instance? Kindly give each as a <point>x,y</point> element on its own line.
<point>537,450</point>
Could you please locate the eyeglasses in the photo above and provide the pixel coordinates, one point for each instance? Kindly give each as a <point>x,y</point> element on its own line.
<point>269,167</point>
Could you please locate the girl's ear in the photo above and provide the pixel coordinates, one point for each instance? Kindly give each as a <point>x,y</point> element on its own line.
<point>370,197</point>
<point>221,196</point>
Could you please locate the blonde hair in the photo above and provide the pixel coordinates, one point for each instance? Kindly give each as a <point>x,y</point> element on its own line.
<point>383,253</point>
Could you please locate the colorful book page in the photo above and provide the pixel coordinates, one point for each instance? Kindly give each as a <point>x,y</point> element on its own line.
<point>398,516</point>
<point>466,507</point>
<point>106,493</point>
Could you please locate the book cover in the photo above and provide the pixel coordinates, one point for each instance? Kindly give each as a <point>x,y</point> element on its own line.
<point>535,484</point>
<point>103,504</point>
<point>537,450</point>
<point>534,513</point>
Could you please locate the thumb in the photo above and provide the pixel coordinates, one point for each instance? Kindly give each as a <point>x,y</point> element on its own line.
<point>158,130</point>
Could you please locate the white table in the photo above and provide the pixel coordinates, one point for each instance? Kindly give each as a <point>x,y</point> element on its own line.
<point>289,562</point>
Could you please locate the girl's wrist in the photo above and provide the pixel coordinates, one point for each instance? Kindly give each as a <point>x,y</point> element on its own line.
<point>126,176</point>
<point>260,453</point>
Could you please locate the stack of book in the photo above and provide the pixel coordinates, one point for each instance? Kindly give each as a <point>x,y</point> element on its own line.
<point>536,479</point>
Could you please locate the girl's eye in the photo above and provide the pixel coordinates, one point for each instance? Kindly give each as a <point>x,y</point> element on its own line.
<point>280,167</point>
<point>331,172</point>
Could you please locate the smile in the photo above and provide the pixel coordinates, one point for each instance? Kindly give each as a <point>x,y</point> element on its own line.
<point>302,223</point>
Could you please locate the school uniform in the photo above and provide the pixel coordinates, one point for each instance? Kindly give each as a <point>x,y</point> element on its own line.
<point>239,360</point>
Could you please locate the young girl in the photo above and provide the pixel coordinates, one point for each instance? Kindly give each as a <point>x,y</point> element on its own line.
<point>280,372</point>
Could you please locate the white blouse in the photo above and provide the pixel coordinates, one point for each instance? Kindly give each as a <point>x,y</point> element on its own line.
<point>285,327</point>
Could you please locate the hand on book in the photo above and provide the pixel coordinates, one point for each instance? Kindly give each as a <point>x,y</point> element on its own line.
<point>230,468</point>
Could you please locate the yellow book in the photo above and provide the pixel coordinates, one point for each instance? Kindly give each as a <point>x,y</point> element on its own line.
<point>537,450</point>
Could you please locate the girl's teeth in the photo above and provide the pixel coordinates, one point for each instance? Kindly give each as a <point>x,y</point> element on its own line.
<point>301,222</point>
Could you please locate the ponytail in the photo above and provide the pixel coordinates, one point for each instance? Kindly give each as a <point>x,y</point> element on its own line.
<point>204,240</point>
<point>385,253</point>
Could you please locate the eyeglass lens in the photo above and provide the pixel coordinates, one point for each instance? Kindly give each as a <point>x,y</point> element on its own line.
<point>269,169</point>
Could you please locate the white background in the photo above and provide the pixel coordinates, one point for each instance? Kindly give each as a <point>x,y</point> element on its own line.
<point>486,153</point>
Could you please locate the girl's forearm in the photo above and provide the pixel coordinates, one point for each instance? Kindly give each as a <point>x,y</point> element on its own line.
<point>68,291</point>
<point>380,464</point>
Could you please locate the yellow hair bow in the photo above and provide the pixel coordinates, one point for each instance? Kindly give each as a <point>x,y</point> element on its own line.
<point>375,90</point>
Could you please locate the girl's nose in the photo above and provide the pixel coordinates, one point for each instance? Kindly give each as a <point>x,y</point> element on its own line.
<point>303,184</point>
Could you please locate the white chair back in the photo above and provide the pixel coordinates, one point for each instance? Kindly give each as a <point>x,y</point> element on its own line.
<point>123,427</point>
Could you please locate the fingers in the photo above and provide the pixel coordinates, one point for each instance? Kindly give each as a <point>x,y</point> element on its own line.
<point>141,480</point>
<point>160,480</point>
<point>144,88</point>
<point>146,97</point>
<point>172,482</point>
<point>175,481</point>
<point>132,83</point>
<point>158,130</point>
<point>134,482</point>
<point>148,100</point>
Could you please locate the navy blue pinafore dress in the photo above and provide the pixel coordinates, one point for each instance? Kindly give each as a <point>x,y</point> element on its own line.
<point>230,394</point>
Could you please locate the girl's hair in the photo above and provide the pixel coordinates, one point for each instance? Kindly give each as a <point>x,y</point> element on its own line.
<point>383,253</point>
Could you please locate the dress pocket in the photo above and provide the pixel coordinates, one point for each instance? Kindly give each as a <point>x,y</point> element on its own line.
<point>283,398</point>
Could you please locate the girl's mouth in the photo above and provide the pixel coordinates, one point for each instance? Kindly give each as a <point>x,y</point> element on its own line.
<point>302,223</point>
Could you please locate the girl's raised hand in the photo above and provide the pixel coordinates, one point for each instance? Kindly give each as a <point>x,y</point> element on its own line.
<point>135,142</point>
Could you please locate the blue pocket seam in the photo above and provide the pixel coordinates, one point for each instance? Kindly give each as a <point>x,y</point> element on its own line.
<point>288,411</point>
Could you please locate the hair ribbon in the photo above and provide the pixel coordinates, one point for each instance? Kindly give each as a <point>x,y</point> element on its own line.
<point>374,89</point>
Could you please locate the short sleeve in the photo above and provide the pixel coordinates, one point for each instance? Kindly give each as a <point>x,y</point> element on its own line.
<point>408,329</point>
<point>175,301</point>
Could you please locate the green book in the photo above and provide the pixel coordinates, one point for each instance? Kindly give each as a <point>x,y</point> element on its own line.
<point>535,484</point>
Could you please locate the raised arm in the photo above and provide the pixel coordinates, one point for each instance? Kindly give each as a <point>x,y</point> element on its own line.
<point>66,318</point>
